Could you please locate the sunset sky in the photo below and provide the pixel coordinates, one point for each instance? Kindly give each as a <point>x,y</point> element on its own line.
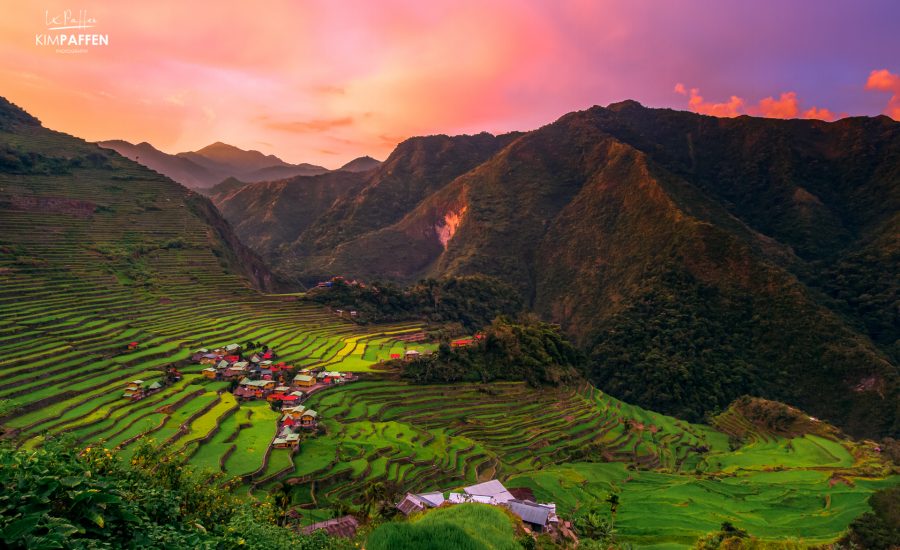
<point>327,81</point>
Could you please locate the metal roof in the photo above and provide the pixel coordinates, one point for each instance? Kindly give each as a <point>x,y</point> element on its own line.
<point>432,499</point>
<point>529,511</point>
<point>492,488</point>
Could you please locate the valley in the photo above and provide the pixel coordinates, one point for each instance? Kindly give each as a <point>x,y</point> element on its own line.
<point>695,258</point>
<point>114,274</point>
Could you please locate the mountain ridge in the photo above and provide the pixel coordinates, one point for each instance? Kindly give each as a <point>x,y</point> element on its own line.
<point>34,152</point>
<point>719,231</point>
<point>206,167</point>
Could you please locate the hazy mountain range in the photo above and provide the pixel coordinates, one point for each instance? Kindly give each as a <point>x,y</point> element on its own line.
<point>206,167</point>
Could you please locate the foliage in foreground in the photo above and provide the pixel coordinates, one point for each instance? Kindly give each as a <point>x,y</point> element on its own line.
<point>62,497</point>
<point>527,349</point>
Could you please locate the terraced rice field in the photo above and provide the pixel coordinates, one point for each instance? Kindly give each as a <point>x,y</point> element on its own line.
<point>676,480</point>
<point>105,256</point>
<point>102,256</point>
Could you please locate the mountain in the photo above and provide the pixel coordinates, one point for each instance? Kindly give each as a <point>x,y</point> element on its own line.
<point>361,164</point>
<point>182,170</point>
<point>221,155</point>
<point>106,216</point>
<point>697,259</point>
<point>282,209</point>
<point>417,169</point>
<point>204,168</point>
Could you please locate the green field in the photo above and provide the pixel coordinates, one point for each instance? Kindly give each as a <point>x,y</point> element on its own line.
<point>463,527</point>
<point>676,481</point>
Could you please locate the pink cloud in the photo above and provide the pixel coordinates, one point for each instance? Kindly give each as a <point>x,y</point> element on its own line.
<point>786,106</point>
<point>355,77</point>
<point>885,81</point>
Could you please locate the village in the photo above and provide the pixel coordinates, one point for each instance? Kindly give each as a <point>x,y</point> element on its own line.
<point>259,376</point>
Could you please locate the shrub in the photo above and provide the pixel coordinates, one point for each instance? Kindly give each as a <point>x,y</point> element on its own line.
<point>63,497</point>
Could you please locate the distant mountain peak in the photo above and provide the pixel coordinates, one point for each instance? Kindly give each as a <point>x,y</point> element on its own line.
<point>361,164</point>
<point>220,150</point>
<point>624,105</point>
<point>220,146</point>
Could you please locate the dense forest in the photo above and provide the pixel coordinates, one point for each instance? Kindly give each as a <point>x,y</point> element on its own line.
<point>526,349</point>
<point>472,301</point>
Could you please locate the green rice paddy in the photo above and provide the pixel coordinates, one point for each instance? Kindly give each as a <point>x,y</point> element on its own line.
<point>77,289</point>
<point>676,481</point>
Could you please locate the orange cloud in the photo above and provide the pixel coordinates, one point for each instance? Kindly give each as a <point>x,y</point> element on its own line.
<point>821,114</point>
<point>734,106</point>
<point>786,106</point>
<point>885,81</point>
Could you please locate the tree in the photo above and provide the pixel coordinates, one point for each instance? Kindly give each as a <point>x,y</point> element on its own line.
<point>613,500</point>
<point>379,498</point>
<point>283,495</point>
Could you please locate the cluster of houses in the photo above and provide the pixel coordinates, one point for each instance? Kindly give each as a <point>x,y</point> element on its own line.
<point>138,389</point>
<point>227,363</point>
<point>410,354</point>
<point>338,279</point>
<point>294,419</point>
<point>539,518</point>
<point>466,342</point>
<point>288,392</point>
<point>261,376</point>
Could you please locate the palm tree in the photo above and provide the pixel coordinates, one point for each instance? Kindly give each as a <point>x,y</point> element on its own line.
<point>373,494</point>
<point>594,526</point>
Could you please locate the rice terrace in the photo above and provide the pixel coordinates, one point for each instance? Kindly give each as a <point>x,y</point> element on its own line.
<point>127,319</point>
<point>480,299</point>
